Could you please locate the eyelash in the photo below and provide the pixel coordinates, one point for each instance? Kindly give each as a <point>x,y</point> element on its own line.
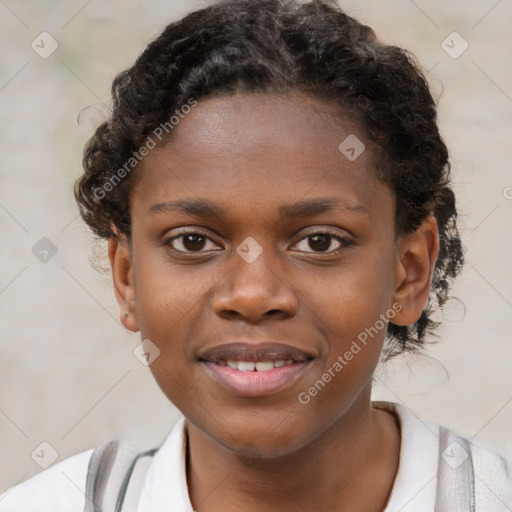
<point>344,242</point>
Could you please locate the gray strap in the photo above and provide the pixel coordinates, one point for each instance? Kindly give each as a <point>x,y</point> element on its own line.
<point>134,484</point>
<point>98,471</point>
<point>111,476</point>
<point>455,475</point>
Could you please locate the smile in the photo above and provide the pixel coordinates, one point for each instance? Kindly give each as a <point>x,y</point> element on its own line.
<point>255,369</point>
<point>255,379</point>
<point>255,366</point>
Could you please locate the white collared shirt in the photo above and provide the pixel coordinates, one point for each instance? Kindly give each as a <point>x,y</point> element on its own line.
<point>61,488</point>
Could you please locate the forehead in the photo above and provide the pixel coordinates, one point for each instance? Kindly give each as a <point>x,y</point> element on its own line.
<point>257,149</point>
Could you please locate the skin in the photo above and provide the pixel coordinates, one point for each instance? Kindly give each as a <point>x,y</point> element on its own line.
<point>251,154</point>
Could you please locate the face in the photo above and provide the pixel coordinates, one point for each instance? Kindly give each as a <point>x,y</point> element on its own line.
<point>256,240</point>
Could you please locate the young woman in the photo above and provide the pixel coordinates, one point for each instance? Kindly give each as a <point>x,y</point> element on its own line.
<point>276,198</point>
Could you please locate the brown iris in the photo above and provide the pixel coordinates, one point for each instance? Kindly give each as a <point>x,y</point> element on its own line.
<point>320,242</point>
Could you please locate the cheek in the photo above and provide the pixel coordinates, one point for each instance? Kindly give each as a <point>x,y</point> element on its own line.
<point>354,309</point>
<point>351,298</point>
<point>355,331</point>
<point>165,301</point>
<point>168,295</point>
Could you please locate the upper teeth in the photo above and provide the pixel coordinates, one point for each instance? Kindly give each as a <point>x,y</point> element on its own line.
<point>260,366</point>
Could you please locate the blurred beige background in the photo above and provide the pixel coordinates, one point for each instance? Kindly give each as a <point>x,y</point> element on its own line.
<point>68,374</point>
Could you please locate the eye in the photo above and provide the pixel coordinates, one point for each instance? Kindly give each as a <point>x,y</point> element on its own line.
<point>190,241</point>
<point>320,242</point>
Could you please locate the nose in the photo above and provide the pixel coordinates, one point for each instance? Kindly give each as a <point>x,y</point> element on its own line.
<point>254,291</point>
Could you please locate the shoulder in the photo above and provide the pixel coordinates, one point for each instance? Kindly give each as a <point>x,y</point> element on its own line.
<point>59,488</point>
<point>493,476</point>
<point>439,467</point>
<point>116,469</point>
<point>472,473</point>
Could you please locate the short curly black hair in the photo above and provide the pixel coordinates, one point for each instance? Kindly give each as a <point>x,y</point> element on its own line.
<point>267,46</point>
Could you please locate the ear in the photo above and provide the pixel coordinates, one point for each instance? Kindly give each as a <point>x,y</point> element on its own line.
<point>119,254</point>
<point>416,258</point>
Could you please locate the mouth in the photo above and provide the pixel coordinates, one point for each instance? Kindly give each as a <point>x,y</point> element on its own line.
<point>255,370</point>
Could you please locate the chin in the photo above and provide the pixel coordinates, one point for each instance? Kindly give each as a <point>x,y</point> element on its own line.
<point>261,440</point>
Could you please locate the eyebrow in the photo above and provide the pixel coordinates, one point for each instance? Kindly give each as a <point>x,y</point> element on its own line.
<point>307,208</point>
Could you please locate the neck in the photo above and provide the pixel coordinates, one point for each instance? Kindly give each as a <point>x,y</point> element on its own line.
<point>334,469</point>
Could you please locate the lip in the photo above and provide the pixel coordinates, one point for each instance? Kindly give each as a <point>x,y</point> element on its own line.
<point>247,351</point>
<point>255,383</point>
